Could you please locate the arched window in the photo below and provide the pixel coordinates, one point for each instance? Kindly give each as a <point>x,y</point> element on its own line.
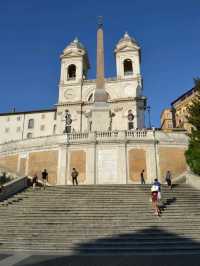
<point>128,67</point>
<point>31,123</point>
<point>29,135</point>
<point>71,72</point>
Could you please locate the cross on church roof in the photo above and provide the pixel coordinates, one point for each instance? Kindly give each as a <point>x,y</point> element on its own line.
<point>100,21</point>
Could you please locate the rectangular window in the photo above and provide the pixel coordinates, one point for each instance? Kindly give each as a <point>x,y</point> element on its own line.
<point>42,127</point>
<point>31,123</point>
<point>7,129</point>
<point>18,129</point>
<point>43,116</point>
<point>18,118</point>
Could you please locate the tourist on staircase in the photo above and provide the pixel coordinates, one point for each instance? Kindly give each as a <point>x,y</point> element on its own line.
<point>44,178</point>
<point>168,179</point>
<point>142,178</point>
<point>157,183</point>
<point>74,175</point>
<point>154,197</point>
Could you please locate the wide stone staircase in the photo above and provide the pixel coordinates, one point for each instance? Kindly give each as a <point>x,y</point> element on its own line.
<point>95,220</point>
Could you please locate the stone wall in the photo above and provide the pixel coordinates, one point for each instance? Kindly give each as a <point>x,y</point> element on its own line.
<point>121,154</point>
<point>38,161</point>
<point>78,161</point>
<point>22,166</point>
<point>9,162</point>
<point>173,159</point>
<point>137,162</point>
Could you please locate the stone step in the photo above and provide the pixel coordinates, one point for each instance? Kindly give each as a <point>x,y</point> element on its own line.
<point>90,216</point>
<point>93,253</point>
<point>100,224</point>
<point>96,228</point>
<point>99,230</point>
<point>111,239</point>
<point>101,220</point>
<point>102,250</point>
<point>104,201</point>
<point>95,245</point>
<point>76,235</point>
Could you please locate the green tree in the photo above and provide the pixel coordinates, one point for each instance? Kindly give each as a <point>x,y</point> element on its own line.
<point>193,152</point>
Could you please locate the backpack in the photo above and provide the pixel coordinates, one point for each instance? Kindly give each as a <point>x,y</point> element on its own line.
<point>74,174</point>
<point>154,188</point>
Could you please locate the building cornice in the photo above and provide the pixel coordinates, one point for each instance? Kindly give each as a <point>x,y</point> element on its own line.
<point>29,112</point>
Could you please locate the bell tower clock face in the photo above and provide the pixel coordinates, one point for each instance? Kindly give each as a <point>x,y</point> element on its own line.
<point>68,94</point>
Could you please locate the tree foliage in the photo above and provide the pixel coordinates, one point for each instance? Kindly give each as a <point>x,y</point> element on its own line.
<point>193,152</point>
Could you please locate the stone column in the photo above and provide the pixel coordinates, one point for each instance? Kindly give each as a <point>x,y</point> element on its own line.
<point>62,165</point>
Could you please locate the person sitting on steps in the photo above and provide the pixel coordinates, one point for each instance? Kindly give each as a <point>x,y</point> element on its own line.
<point>35,180</point>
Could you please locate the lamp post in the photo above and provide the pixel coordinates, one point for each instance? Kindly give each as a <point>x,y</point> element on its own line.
<point>81,120</point>
<point>149,115</point>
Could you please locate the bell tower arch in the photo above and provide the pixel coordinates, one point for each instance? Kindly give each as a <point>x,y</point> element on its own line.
<point>74,68</point>
<point>128,59</point>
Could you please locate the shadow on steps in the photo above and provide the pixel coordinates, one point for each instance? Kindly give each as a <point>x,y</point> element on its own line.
<point>148,247</point>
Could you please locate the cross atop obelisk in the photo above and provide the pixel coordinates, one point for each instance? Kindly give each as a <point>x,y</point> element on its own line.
<point>100,94</point>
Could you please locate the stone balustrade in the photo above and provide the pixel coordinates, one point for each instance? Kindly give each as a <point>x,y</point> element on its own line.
<point>78,135</point>
<point>111,135</point>
<point>137,133</point>
<point>89,137</point>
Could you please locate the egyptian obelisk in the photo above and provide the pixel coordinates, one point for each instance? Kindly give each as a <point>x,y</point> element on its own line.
<point>100,110</point>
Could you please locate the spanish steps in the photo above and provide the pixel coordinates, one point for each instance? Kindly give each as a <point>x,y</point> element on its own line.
<point>99,220</point>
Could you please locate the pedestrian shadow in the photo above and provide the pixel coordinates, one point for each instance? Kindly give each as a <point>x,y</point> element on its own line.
<point>140,248</point>
<point>165,203</point>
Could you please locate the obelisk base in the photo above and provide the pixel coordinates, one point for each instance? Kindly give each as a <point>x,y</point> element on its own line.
<point>100,117</point>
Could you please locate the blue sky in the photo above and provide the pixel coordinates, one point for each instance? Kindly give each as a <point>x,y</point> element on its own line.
<point>33,34</point>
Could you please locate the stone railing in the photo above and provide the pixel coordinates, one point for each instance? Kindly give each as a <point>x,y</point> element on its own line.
<point>55,140</point>
<point>78,135</point>
<point>6,175</point>
<point>136,133</point>
<point>13,187</point>
<point>107,135</point>
<point>193,180</point>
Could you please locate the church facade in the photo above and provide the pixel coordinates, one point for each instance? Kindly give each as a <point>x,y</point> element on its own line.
<point>97,126</point>
<point>76,97</point>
